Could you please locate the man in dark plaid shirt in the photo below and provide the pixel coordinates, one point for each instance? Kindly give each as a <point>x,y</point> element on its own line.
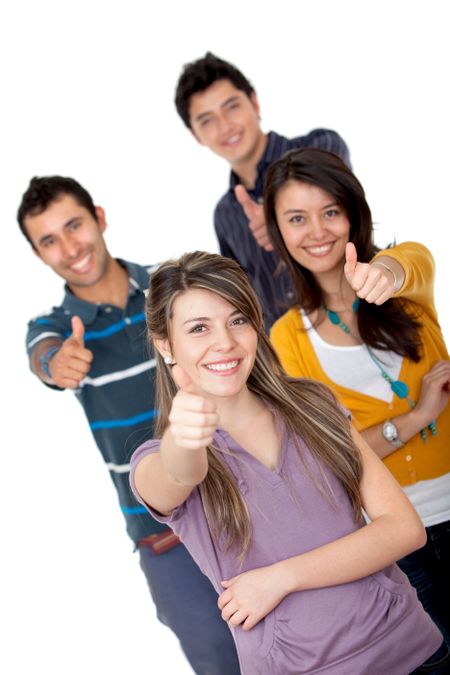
<point>219,105</point>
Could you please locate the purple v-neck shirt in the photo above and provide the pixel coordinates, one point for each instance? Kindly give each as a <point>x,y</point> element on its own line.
<point>367,627</point>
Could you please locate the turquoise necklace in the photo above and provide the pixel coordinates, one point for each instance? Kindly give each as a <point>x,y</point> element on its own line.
<point>399,387</point>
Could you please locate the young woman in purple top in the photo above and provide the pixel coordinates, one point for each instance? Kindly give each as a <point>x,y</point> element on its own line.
<point>264,479</point>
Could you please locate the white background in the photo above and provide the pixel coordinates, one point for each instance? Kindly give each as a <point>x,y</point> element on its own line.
<point>87,91</point>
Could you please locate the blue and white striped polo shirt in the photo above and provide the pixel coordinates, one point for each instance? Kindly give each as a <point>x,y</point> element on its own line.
<point>118,393</point>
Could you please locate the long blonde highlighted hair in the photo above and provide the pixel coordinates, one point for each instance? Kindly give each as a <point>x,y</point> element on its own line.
<point>307,407</point>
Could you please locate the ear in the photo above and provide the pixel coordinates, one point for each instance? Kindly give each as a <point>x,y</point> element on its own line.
<point>255,103</point>
<point>163,346</point>
<point>101,218</point>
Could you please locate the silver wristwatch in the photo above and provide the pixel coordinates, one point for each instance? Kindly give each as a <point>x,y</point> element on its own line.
<point>390,433</point>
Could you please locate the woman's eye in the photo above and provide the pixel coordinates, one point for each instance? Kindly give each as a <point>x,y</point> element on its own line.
<point>240,321</point>
<point>297,220</point>
<point>331,213</point>
<point>198,328</point>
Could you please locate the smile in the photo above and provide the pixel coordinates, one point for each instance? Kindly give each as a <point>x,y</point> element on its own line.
<point>319,250</point>
<point>232,140</point>
<point>81,264</point>
<point>223,366</point>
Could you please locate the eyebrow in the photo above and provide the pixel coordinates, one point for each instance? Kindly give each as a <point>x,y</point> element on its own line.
<point>322,208</point>
<point>207,318</point>
<point>229,100</point>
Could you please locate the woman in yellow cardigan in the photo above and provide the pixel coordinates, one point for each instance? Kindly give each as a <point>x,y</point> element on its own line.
<point>365,323</point>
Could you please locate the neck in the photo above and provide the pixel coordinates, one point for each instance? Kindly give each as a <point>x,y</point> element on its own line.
<point>337,292</point>
<point>239,412</point>
<point>247,168</point>
<point>111,289</point>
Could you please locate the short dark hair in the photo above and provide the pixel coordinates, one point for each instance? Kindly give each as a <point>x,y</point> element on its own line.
<point>201,74</point>
<point>44,190</point>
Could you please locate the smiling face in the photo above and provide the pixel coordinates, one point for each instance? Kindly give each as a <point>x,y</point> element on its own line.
<point>226,120</point>
<point>315,229</point>
<point>212,342</point>
<point>68,238</point>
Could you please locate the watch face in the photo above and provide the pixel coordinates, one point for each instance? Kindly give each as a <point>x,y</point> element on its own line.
<point>389,431</point>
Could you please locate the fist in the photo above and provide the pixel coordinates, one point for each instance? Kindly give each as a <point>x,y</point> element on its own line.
<point>193,418</point>
<point>371,281</point>
<point>73,361</point>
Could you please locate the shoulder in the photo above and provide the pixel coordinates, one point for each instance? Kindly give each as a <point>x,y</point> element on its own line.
<point>325,139</point>
<point>140,273</point>
<point>52,323</point>
<point>150,447</point>
<point>290,321</point>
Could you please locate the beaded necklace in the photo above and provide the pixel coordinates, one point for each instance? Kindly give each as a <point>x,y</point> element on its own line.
<point>399,387</point>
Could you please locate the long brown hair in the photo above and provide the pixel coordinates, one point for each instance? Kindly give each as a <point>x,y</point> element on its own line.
<point>308,408</point>
<point>389,326</point>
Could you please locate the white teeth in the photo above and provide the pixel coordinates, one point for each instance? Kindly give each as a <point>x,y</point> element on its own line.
<point>222,366</point>
<point>79,265</point>
<point>319,249</point>
<point>232,139</point>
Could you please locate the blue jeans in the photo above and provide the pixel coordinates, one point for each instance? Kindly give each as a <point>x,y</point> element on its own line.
<point>428,570</point>
<point>186,602</point>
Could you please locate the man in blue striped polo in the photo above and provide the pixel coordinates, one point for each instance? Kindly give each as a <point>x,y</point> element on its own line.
<point>95,344</point>
<point>220,107</point>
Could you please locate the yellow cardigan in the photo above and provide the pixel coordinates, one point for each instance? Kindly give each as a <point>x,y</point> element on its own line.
<point>416,460</point>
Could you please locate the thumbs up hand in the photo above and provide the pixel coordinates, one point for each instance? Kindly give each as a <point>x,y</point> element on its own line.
<point>73,361</point>
<point>255,215</point>
<point>193,418</point>
<point>373,282</point>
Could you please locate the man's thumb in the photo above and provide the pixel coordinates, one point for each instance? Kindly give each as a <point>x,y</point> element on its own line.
<point>244,200</point>
<point>77,330</point>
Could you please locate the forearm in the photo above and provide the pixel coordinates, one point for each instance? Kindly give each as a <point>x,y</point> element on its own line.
<point>394,267</point>
<point>184,466</point>
<point>353,556</point>
<point>408,425</point>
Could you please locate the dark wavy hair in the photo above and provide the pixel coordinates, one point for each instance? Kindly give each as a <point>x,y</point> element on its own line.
<point>43,190</point>
<point>391,326</point>
<point>201,74</point>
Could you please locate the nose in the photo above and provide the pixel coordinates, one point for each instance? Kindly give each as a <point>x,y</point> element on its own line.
<point>224,124</point>
<point>223,340</point>
<point>316,229</point>
<point>70,247</point>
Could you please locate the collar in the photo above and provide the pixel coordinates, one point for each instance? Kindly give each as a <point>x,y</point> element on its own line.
<point>87,311</point>
<point>276,147</point>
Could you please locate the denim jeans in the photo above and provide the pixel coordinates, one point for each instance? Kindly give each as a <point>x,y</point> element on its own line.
<point>428,570</point>
<point>186,602</point>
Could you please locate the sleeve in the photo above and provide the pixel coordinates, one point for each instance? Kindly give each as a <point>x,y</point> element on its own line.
<point>149,448</point>
<point>283,339</point>
<point>419,268</point>
<point>40,329</point>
